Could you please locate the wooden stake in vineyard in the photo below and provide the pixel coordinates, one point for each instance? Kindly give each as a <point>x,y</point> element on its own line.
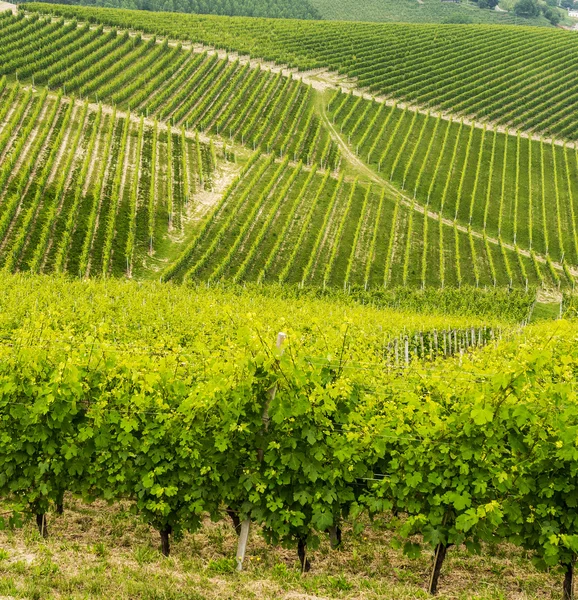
<point>246,524</point>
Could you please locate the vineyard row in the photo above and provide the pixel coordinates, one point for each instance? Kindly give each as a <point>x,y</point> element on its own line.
<point>507,186</point>
<point>481,449</point>
<point>86,192</point>
<point>199,91</point>
<point>288,224</point>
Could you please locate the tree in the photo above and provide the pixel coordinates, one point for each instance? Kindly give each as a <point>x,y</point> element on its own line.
<point>527,8</point>
<point>552,14</point>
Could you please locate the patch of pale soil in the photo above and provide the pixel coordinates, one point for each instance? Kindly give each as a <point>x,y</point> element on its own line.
<point>7,6</point>
<point>549,296</point>
<point>207,199</point>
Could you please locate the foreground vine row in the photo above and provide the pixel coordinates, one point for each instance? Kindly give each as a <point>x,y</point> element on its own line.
<point>480,450</point>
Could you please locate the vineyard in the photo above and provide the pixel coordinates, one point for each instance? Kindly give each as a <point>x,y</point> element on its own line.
<point>289,224</point>
<point>396,11</point>
<point>517,190</point>
<point>280,9</point>
<point>317,341</point>
<point>160,80</point>
<point>466,455</point>
<point>411,11</point>
<point>508,75</point>
<point>87,191</point>
<point>474,206</point>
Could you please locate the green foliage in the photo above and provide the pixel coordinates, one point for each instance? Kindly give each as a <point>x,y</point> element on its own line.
<point>277,9</point>
<point>480,448</point>
<point>410,11</point>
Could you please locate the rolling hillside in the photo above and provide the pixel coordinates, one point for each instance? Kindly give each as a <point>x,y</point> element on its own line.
<point>412,11</point>
<point>272,289</point>
<point>393,11</point>
<point>523,75</point>
<point>276,9</point>
<point>87,191</point>
<point>341,191</point>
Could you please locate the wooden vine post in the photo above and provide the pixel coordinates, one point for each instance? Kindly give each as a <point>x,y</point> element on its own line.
<point>246,524</point>
<point>439,557</point>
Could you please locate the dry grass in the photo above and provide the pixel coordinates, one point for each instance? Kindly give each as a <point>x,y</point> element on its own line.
<point>101,552</point>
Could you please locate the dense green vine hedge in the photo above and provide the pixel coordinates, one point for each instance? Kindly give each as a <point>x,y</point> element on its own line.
<point>473,450</point>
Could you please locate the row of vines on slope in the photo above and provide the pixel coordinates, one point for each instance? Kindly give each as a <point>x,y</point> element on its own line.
<point>199,91</point>
<point>289,224</point>
<point>520,76</point>
<point>518,190</point>
<point>89,193</point>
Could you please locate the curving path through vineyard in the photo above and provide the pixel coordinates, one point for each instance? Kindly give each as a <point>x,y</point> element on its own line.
<point>362,168</point>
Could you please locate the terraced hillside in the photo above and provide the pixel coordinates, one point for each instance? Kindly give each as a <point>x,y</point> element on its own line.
<point>90,191</point>
<point>483,72</point>
<point>121,163</point>
<point>156,79</point>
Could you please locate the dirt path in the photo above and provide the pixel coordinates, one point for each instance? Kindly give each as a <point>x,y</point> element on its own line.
<point>362,168</point>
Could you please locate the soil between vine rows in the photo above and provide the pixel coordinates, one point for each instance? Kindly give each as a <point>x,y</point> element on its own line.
<point>98,551</point>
